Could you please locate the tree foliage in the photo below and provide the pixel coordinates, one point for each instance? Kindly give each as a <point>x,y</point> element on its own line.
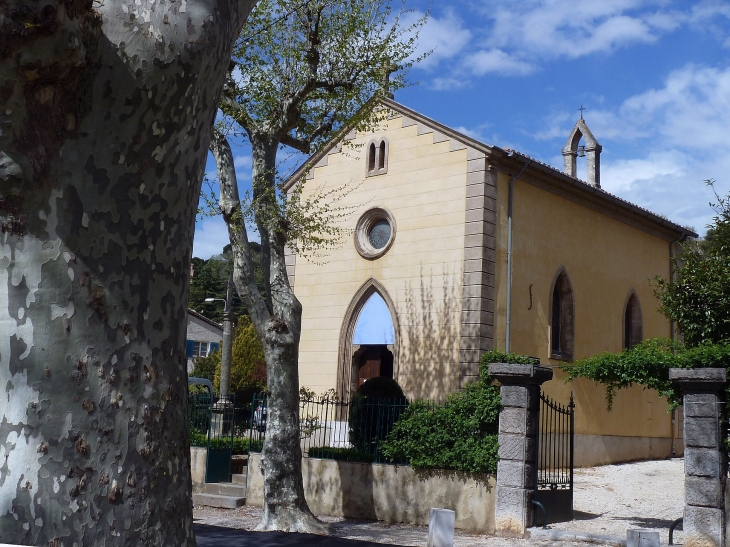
<point>308,69</point>
<point>698,299</point>
<point>302,74</point>
<point>209,281</point>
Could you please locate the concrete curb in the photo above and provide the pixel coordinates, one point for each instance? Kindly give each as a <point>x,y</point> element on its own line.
<point>567,535</point>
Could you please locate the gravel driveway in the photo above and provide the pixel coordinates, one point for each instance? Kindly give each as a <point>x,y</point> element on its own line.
<point>608,500</point>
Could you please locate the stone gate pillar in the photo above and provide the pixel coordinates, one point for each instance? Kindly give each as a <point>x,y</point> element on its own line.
<point>517,467</point>
<point>705,469</point>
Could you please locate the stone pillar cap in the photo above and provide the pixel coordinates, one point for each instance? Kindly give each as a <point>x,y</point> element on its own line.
<point>699,378</point>
<point>512,373</point>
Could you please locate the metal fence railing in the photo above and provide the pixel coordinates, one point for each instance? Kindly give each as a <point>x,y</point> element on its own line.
<point>334,429</point>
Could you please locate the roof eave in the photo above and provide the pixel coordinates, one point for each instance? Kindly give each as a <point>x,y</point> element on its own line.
<point>602,195</point>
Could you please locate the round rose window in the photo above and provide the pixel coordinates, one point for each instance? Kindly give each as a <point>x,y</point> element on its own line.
<point>379,234</point>
<point>374,233</point>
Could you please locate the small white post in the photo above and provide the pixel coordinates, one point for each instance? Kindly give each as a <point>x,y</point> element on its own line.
<point>441,528</point>
<point>642,538</point>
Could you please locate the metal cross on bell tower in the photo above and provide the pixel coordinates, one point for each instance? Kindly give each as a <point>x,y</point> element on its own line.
<point>582,108</point>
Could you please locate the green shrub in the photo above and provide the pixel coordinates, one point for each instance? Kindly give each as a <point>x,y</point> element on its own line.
<point>459,435</point>
<point>375,407</point>
<point>341,454</point>
<point>496,356</point>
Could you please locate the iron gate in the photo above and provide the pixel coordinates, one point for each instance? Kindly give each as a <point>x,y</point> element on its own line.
<point>554,488</point>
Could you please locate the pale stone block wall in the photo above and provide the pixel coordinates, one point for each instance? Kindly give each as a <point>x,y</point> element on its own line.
<point>425,190</point>
<point>387,492</point>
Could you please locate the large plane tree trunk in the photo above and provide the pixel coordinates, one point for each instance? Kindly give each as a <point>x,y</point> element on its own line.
<point>106,110</point>
<point>277,319</point>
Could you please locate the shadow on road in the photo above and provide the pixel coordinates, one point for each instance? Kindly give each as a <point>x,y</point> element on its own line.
<point>217,536</point>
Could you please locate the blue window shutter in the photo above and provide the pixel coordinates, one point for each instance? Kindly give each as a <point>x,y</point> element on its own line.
<point>214,346</point>
<point>189,346</point>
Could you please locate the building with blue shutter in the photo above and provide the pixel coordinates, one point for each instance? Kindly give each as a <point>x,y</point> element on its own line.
<point>204,337</point>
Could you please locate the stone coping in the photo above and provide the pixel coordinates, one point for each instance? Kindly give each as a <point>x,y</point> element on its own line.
<point>699,378</point>
<point>513,373</point>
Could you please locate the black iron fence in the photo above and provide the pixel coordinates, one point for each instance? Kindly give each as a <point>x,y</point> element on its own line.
<point>334,429</point>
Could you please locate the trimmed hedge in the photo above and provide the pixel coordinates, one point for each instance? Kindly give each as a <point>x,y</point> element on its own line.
<point>240,446</point>
<point>341,454</point>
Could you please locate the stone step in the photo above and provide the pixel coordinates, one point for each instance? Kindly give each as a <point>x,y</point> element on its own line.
<point>213,500</point>
<point>238,463</point>
<point>238,479</point>
<point>225,489</point>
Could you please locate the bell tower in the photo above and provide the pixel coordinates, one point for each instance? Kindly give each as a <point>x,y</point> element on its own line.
<point>591,150</point>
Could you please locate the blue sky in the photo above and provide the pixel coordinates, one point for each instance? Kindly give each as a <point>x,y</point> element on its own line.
<point>653,75</point>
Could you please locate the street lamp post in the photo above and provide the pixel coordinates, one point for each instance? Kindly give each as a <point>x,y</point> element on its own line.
<point>227,349</point>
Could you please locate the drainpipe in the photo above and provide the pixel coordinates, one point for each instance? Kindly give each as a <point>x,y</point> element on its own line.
<point>509,251</point>
<point>671,332</point>
<point>671,278</point>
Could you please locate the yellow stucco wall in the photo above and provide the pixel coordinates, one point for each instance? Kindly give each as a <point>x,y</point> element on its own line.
<point>605,260</point>
<point>424,189</point>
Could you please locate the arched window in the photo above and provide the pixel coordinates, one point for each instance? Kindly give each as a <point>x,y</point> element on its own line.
<point>562,319</point>
<point>377,157</point>
<point>371,157</point>
<point>633,323</point>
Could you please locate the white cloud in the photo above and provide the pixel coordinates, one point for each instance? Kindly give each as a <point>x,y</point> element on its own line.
<point>211,235</point>
<point>564,28</point>
<point>671,138</point>
<point>496,60</point>
<point>445,36</point>
<point>515,42</point>
<point>621,175</point>
<point>446,84</point>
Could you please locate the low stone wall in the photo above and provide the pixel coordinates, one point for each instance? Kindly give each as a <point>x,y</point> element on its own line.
<point>198,460</point>
<point>387,492</point>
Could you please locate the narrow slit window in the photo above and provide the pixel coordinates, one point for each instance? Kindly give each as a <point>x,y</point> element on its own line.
<point>633,327</point>
<point>371,158</point>
<point>562,319</point>
<point>381,156</point>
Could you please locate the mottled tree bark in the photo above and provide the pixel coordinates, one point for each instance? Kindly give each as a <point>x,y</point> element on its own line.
<point>106,109</point>
<point>277,320</point>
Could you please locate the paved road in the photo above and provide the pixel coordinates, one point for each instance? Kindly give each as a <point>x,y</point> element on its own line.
<point>217,536</point>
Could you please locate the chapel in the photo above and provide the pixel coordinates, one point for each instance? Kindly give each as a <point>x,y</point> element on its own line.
<point>458,247</point>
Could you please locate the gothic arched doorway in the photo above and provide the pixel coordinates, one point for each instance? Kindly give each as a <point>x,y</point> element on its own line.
<point>368,340</point>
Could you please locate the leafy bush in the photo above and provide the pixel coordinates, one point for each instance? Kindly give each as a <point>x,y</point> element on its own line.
<point>496,356</point>
<point>460,435</point>
<point>205,367</point>
<point>375,407</point>
<point>341,454</point>
<point>648,364</point>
